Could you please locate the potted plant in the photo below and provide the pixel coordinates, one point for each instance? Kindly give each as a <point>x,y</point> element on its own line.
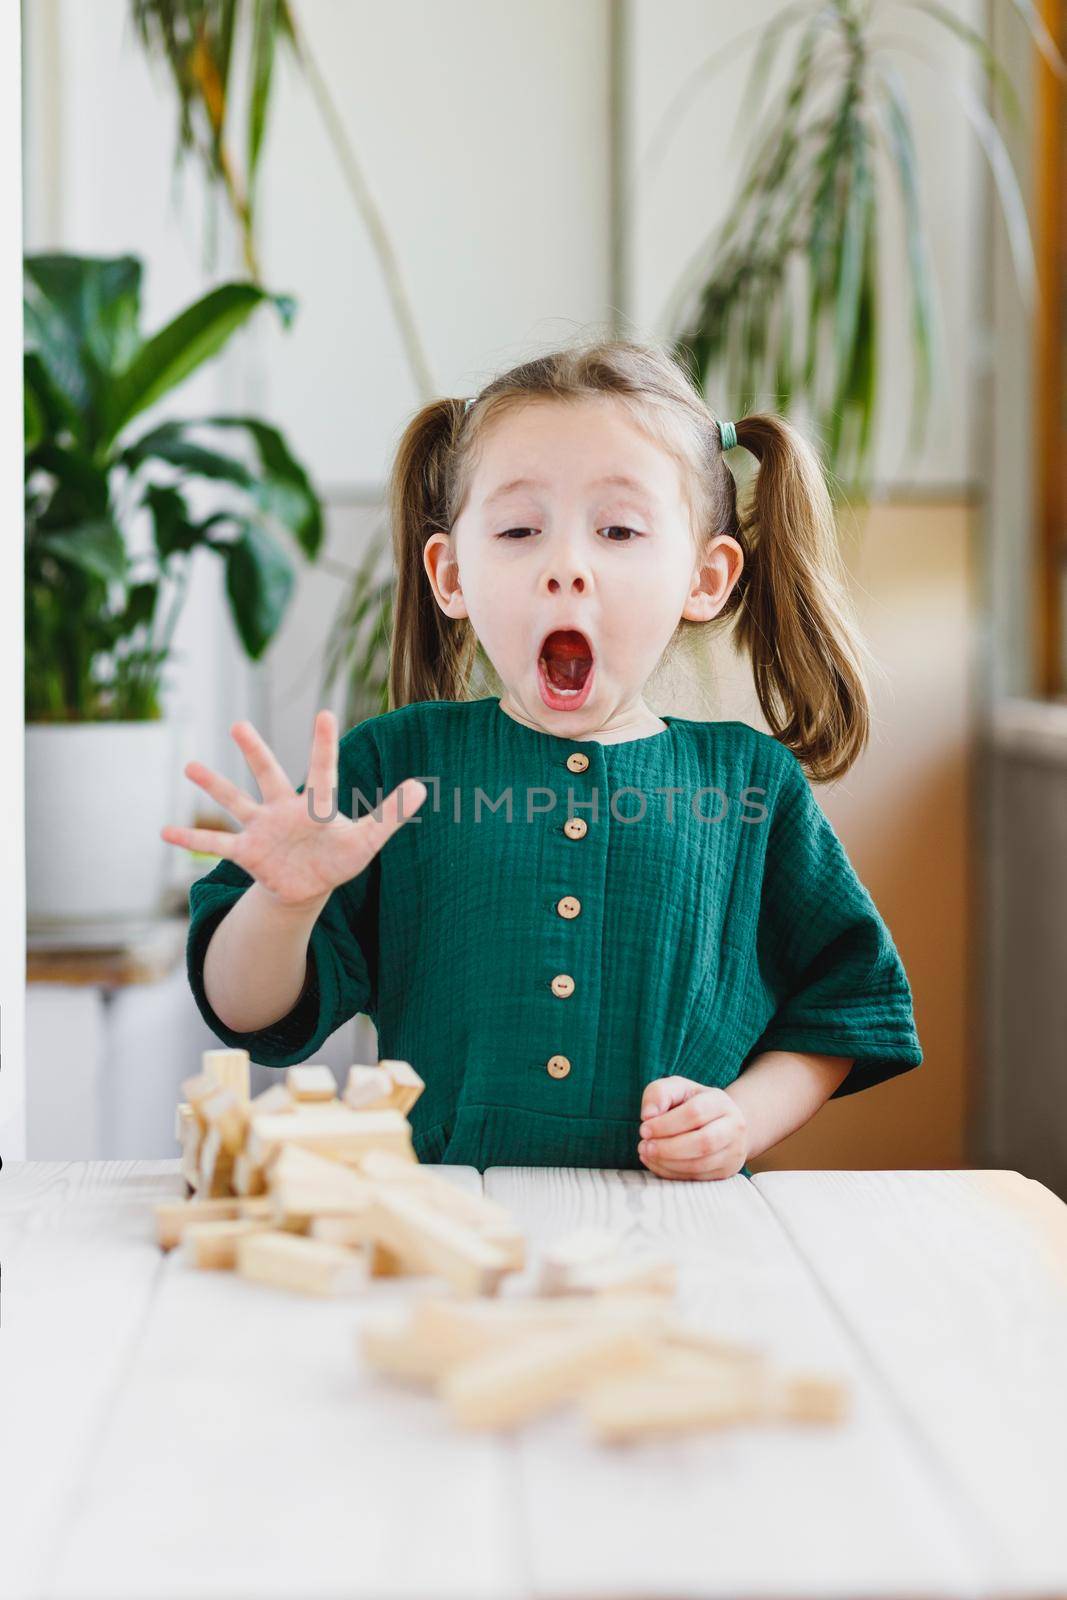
<point>101,605</point>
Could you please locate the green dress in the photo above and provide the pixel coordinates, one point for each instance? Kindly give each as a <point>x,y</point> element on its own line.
<point>563,921</point>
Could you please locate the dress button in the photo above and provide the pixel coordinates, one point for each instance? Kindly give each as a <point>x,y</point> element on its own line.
<point>563,985</point>
<point>558,1066</point>
<point>575,827</point>
<point>577,761</point>
<point>569,906</point>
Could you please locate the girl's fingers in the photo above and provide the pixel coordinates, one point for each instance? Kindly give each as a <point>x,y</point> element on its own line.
<point>688,1148</point>
<point>266,769</point>
<point>664,1093</point>
<point>322,770</point>
<point>211,841</point>
<point>235,800</point>
<point>370,832</point>
<point>703,1107</point>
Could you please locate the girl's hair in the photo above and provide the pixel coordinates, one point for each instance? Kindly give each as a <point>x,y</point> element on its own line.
<point>791,604</point>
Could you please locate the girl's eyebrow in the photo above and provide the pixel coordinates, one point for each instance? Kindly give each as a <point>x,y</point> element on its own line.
<point>617,479</point>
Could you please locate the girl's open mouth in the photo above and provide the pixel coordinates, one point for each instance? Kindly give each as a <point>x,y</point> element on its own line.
<point>565,669</point>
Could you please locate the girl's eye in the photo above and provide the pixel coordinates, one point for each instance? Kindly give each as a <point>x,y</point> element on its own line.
<point>520,533</point>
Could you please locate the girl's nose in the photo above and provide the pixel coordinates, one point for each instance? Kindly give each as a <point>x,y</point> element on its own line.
<point>566,568</point>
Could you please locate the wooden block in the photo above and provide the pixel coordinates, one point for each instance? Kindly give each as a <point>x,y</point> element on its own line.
<point>248,1177</point>
<point>311,1082</point>
<point>682,1334</point>
<point>368,1089</point>
<point>576,1252</point>
<point>428,1241</point>
<point>644,1274</point>
<point>459,1330</point>
<point>183,1116</point>
<point>540,1371</point>
<point>350,1231</point>
<point>213,1245</point>
<point>174,1216</point>
<point>385,1263</point>
<point>260,1205</point>
<point>290,1261</point>
<point>196,1090</point>
<point>229,1114</point>
<point>809,1397</point>
<point>276,1098</point>
<point>639,1404</point>
<point>598,1261</point>
<point>230,1069</point>
<point>489,1216</point>
<point>216,1165</point>
<point>304,1184</point>
<point>192,1136</point>
<point>334,1131</point>
<point>388,1344</point>
<point>406,1085</point>
<point>508,1240</point>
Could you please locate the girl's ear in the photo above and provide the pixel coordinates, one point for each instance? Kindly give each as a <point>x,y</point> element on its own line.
<point>442,569</point>
<point>719,570</point>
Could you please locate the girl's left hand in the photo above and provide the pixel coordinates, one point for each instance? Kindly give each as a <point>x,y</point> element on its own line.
<point>689,1130</point>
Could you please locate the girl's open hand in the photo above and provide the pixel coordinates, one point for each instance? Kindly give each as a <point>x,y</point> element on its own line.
<point>282,844</point>
<point>689,1130</point>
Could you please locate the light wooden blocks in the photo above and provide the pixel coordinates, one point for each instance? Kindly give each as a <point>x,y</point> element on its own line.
<point>213,1245</point>
<point>334,1131</point>
<point>297,1161</point>
<point>290,1261</point>
<point>540,1371</point>
<point>598,1261</point>
<point>424,1240</point>
<point>173,1217</point>
<point>634,1368</point>
<point>368,1089</point>
<point>276,1098</point>
<point>230,1069</point>
<point>391,1085</point>
<point>311,1083</point>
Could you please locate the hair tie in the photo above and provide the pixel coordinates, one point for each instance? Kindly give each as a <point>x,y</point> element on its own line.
<point>728,435</point>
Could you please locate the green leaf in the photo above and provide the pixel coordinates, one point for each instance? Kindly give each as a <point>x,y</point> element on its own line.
<point>285,490</point>
<point>81,485</point>
<point>259,582</point>
<point>193,337</point>
<point>264,25</point>
<point>169,443</point>
<point>33,420</point>
<point>172,527</point>
<point>95,547</point>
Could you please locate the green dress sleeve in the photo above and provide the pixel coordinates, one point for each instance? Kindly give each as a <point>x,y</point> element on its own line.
<point>342,953</point>
<point>825,954</point>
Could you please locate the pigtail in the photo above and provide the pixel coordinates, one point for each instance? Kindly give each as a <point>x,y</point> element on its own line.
<point>794,611</point>
<point>430,654</point>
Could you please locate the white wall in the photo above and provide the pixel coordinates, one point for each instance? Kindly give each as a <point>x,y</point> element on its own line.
<point>12,830</point>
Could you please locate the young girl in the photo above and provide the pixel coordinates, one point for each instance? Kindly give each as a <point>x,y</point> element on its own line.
<point>601,936</point>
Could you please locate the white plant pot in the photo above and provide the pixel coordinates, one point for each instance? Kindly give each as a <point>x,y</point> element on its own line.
<point>97,796</point>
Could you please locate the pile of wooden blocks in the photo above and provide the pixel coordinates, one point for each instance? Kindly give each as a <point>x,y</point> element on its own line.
<point>634,1366</point>
<point>603,1332</point>
<point>309,1189</point>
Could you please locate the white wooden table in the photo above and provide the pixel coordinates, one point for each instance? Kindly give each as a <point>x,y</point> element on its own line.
<point>175,1433</point>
